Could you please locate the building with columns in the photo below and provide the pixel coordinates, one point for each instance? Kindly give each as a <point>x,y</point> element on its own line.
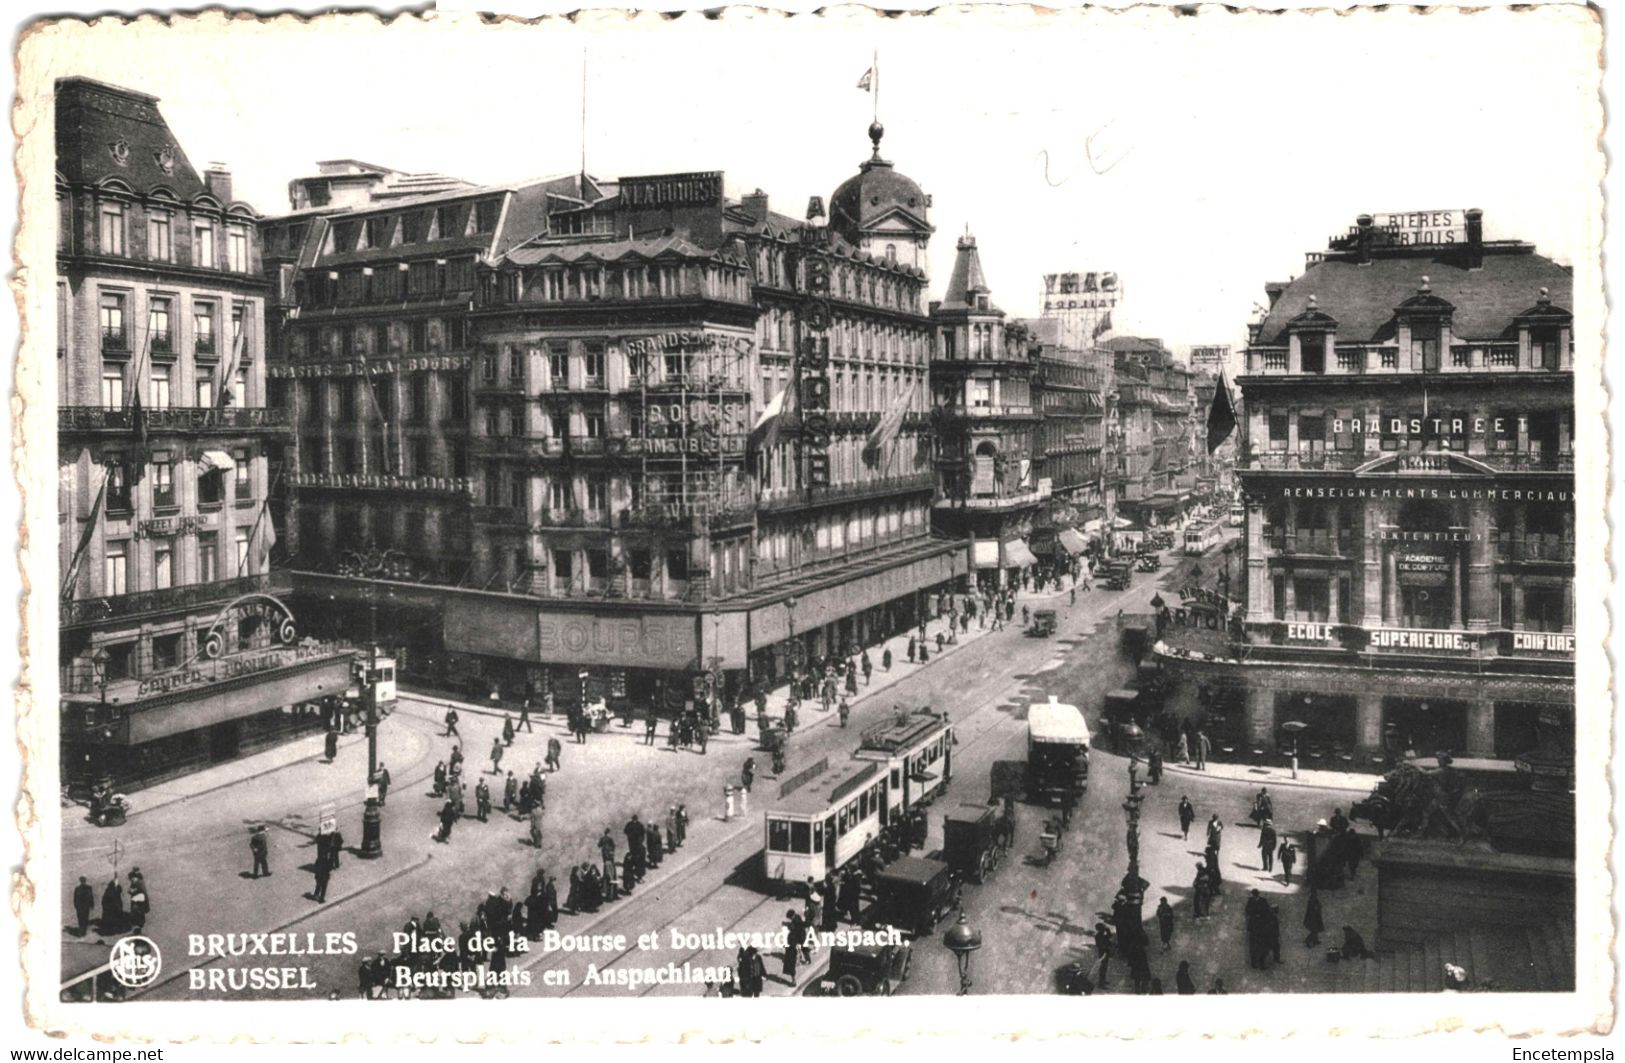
<point>1407,466</point>
<point>177,648</point>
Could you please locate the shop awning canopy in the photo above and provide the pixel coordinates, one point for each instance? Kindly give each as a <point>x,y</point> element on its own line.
<point>985,553</point>
<point>1071,541</point>
<point>1016,555</point>
<point>216,459</point>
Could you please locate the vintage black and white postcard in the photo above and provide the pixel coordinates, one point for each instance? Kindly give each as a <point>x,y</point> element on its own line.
<point>1032,505</point>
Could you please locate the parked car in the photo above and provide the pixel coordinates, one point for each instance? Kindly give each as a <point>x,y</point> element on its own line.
<point>866,970</point>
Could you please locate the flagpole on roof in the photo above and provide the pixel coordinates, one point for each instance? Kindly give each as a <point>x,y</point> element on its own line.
<point>876,68</point>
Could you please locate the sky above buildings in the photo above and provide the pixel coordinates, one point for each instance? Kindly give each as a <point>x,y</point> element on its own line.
<point>1196,157</point>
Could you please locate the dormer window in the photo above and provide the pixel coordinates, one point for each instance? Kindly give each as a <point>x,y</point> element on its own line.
<point>1312,352</point>
<point>1425,346</point>
<point>1545,348</point>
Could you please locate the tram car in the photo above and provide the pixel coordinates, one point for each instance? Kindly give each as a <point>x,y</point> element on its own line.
<point>917,751</point>
<point>898,765</point>
<point>381,675</point>
<point>823,825</point>
<point>1200,538</point>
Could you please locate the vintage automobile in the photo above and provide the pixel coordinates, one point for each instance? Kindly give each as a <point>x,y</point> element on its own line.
<point>913,893</point>
<point>1043,624</point>
<point>1117,575</point>
<point>866,970</point>
<point>1148,563</point>
<point>973,841</point>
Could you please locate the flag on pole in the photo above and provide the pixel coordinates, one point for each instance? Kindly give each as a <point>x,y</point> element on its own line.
<point>85,536</point>
<point>1103,326</point>
<point>1221,415</point>
<point>227,371</point>
<point>765,432</point>
<point>867,81</point>
<point>138,427</point>
<point>887,428</point>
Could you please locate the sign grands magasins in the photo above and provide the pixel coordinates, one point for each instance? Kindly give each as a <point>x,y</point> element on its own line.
<point>812,363</point>
<point>1215,354</point>
<point>673,190</point>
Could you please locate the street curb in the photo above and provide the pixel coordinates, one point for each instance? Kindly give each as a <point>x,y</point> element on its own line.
<point>236,782</point>
<point>368,888</point>
<point>1270,780</point>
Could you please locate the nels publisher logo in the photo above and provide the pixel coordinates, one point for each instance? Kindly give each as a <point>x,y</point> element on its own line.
<point>135,961</point>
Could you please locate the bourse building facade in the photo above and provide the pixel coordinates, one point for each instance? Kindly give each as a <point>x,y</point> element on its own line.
<point>1407,468</point>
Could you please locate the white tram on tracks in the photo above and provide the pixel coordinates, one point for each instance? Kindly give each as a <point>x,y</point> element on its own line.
<point>822,825</point>
<point>917,750</point>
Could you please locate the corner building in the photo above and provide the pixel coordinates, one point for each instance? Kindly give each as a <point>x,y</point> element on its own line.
<point>549,468</point>
<point>1407,465</point>
<point>987,425</point>
<point>176,649</point>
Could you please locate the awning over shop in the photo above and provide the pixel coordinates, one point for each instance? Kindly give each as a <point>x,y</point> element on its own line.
<point>1071,541</point>
<point>1092,527</point>
<point>216,459</point>
<point>985,553</point>
<point>1016,555</point>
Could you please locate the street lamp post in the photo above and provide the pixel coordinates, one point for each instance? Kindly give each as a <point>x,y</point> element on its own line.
<point>962,940</point>
<point>372,816</point>
<point>1133,885</point>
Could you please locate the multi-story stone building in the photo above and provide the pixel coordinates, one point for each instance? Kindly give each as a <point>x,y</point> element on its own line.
<point>1153,398</point>
<point>175,649</point>
<point>568,483</point>
<point>1407,462</point>
<point>987,425</point>
<point>1068,390</point>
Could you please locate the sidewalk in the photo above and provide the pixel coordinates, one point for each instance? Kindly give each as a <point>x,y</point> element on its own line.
<point>1318,778</point>
<point>394,745</point>
<point>810,713</point>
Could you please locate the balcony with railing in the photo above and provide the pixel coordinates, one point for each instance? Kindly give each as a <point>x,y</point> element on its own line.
<point>115,339</point>
<point>85,611</point>
<point>1534,548</point>
<point>1312,543</point>
<point>1293,460</point>
<point>1018,411</point>
<point>579,519</point>
<point>187,419</point>
<point>787,499</point>
<point>506,516</point>
<point>1462,359</point>
<point>987,503</point>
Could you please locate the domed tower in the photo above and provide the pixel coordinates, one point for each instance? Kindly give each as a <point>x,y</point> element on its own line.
<point>881,212</point>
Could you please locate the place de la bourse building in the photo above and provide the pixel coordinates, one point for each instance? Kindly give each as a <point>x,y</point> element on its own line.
<point>522,417</point>
<point>1407,467</point>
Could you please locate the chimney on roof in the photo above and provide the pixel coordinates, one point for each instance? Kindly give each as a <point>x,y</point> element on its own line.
<point>218,180</point>
<point>1363,237</point>
<point>755,205</point>
<point>1273,289</point>
<point>1475,238</point>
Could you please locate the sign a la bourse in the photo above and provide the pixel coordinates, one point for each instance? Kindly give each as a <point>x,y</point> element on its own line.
<point>672,190</point>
